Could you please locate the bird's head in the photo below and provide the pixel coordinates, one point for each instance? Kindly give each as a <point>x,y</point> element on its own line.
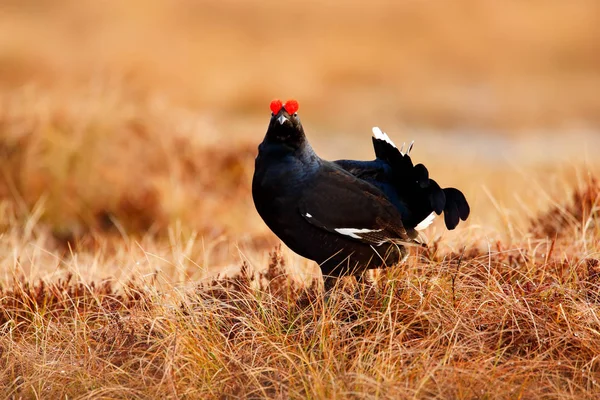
<point>285,126</point>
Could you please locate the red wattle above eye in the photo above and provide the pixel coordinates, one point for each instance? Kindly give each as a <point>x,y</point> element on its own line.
<point>276,106</point>
<point>291,106</point>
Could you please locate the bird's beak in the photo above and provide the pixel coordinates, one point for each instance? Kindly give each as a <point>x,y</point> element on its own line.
<point>282,119</point>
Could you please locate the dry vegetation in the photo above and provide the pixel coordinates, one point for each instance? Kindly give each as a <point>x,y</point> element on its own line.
<point>518,322</point>
<point>133,264</point>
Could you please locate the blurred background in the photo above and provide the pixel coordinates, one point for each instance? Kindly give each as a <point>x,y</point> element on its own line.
<point>467,63</point>
<point>130,117</point>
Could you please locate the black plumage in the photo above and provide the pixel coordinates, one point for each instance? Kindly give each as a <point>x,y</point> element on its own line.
<point>408,186</point>
<point>348,216</point>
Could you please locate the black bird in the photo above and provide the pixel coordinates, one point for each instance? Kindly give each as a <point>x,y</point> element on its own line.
<point>345,215</point>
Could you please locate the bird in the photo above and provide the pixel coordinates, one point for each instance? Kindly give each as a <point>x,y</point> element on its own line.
<point>348,216</point>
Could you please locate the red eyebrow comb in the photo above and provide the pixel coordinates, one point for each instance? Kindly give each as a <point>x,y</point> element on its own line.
<point>291,106</point>
<point>276,106</point>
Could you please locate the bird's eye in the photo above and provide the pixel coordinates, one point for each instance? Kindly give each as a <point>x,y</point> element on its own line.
<point>295,114</point>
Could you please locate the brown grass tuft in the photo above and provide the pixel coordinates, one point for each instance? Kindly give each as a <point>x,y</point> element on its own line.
<point>22,302</point>
<point>581,212</point>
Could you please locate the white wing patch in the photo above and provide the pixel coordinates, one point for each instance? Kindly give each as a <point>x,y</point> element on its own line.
<point>382,136</point>
<point>426,222</point>
<point>307,215</point>
<point>352,232</point>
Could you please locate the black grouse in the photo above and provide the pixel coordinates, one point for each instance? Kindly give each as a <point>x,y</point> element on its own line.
<point>348,216</point>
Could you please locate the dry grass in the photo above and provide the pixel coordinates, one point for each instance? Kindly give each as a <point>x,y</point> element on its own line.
<point>519,322</point>
<point>133,263</point>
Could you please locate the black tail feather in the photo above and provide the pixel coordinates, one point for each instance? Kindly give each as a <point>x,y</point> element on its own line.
<point>421,194</point>
<point>437,196</point>
<point>391,155</point>
<point>421,175</point>
<point>451,217</point>
<point>457,208</point>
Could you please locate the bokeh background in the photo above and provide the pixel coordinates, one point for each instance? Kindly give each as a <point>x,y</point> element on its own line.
<point>137,121</point>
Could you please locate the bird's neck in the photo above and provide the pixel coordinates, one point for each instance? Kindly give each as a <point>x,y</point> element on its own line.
<point>307,155</point>
<point>302,152</point>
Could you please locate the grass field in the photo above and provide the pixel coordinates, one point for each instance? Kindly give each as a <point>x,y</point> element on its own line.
<point>133,263</point>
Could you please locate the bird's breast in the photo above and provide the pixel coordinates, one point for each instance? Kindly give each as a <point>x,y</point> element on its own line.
<point>279,175</point>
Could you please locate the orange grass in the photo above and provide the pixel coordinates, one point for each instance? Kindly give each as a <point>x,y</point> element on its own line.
<point>518,322</point>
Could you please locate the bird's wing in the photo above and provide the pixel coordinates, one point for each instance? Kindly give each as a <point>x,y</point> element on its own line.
<point>340,203</point>
<point>365,170</point>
